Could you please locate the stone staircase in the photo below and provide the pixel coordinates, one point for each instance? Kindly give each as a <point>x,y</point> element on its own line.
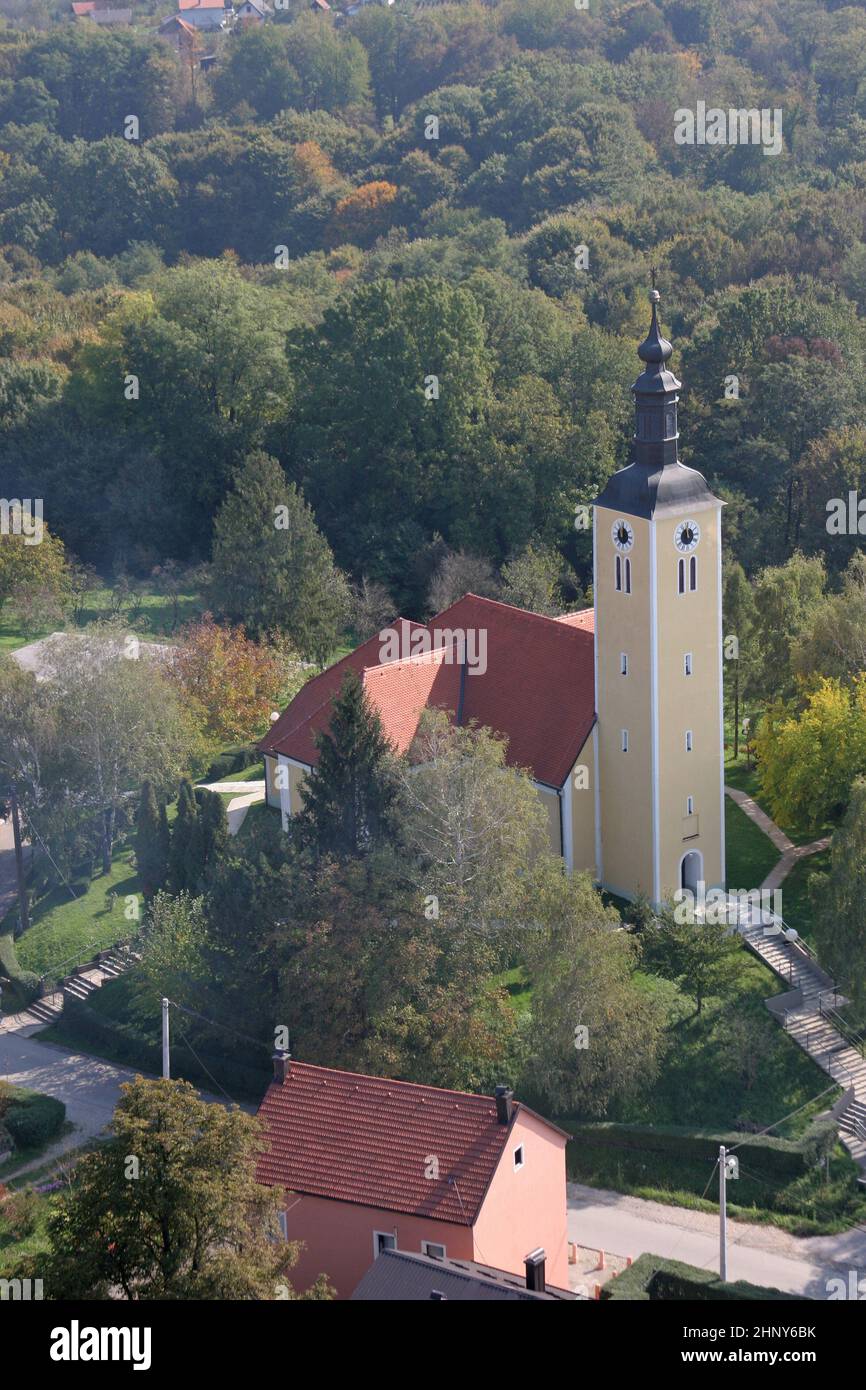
<point>808,1013</point>
<point>81,983</point>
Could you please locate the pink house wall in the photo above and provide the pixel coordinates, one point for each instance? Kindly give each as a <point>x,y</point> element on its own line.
<point>339,1238</point>
<point>526,1207</point>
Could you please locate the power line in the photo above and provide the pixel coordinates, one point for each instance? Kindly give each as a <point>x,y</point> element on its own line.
<point>205,1068</point>
<point>257,1042</point>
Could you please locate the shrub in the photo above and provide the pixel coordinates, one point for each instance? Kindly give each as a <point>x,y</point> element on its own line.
<point>651,1279</point>
<point>232,760</point>
<point>19,1213</point>
<point>33,1119</point>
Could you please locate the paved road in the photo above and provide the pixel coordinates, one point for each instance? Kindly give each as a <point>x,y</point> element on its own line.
<point>88,1087</point>
<point>759,1254</point>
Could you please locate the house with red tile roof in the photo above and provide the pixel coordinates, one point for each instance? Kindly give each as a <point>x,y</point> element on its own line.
<point>526,676</point>
<point>615,712</point>
<point>369,1164</point>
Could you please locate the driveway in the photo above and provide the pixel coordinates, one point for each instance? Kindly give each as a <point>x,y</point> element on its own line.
<point>759,1254</point>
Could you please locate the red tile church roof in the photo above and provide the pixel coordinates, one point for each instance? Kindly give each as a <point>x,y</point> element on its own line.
<point>538,688</point>
<point>368,1140</point>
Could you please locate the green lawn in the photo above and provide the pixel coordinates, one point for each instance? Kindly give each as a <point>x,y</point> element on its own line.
<point>796,906</point>
<point>518,986</point>
<point>151,613</point>
<point>749,853</point>
<point>744,777</point>
<point>16,1245</point>
<point>701,1081</point>
<point>703,1084</point>
<point>62,926</point>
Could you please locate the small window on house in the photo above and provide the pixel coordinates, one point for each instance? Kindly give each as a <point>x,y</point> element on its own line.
<point>519,1156</point>
<point>436,1252</point>
<point>681,576</point>
<point>618,578</point>
<point>623,663</point>
<point>688,740</point>
<point>284,1225</point>
<point>383,1240</point>
<point>625,740</point>
<point>687,663</point>
<point>690,805</point>
<point>627,575</point>
<point>693,573</point>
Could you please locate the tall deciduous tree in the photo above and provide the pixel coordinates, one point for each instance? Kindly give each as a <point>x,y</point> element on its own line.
<point>809,758</point>
<point>121,724</point>
<point>230,683</point>
<point>474,825</point>
<point>169,1207</point>
<point>838,898</point>
<point>595,1037</point>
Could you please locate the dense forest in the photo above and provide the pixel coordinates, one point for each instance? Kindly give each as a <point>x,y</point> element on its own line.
<point>406,254</point>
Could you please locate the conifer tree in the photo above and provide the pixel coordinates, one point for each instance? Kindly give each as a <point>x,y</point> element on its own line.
<point>351,797</point>
<point>208,839</point>
<point>151,846</point>
<point>182,839</point>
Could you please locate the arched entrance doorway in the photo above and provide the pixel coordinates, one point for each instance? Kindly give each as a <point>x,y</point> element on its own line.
<point>691,870</point>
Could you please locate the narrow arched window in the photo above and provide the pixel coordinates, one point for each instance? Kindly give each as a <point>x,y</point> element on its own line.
<point>693,573</point>
<point>618,580</point>
<point>681,576</point>
<point>627,575</point>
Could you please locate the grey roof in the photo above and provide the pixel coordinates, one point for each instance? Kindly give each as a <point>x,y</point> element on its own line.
<point>647,491</point>
<point>399,1276</point>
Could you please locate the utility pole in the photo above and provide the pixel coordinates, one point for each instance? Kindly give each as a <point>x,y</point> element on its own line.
<point>166,1071</point>
<point>723,1215</point>
<point>19,863</point>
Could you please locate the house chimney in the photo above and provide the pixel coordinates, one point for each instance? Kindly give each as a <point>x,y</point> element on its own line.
<point>281,1061</point>
<point>504,1104</point>
<point>534,1264</point>
<point>438,1296</point>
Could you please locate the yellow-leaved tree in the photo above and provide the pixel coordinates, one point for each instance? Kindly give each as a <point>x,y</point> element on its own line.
<point>809,757</point>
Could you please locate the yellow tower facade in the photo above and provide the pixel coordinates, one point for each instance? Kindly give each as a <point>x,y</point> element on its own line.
<point>658,657</point>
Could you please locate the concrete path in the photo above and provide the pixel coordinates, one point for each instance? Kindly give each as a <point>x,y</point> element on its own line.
<point>760,1254</point>
<point>248,794</point>
<point>788,851</point>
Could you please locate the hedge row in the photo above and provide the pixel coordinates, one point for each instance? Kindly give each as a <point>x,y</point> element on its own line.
<point>654,1279</point>
<point>24,983</point>
<point>783,1159</point>
<point>32,1119</point>
<point>231,760</point>
<point>129,1045</point>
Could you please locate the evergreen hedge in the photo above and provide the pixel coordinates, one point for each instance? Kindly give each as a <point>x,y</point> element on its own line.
<point>780,1159</point>
<point>654,1279</point>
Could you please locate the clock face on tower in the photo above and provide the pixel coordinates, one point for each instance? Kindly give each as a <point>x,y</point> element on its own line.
<point>687,535</point>
<point>622,535</point>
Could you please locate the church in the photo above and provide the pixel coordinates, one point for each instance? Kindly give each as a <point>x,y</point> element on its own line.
<point>616,711</point>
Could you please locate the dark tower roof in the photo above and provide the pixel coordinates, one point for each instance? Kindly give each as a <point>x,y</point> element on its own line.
<point>655,482</point>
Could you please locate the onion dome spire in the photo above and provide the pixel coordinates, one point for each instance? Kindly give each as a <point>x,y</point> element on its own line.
<point>655,398</point>
<point>654,347</point>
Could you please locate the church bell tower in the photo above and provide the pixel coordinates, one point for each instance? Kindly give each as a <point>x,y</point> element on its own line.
<point>658,656</point>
